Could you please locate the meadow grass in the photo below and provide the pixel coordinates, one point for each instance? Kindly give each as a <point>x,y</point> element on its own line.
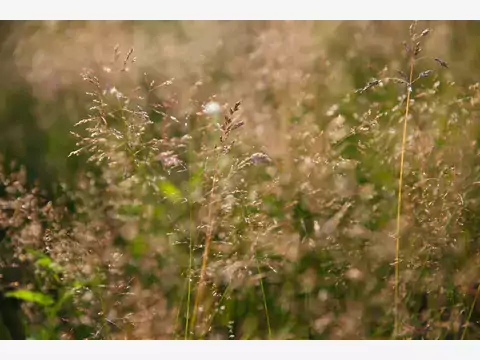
<point>307,210</point>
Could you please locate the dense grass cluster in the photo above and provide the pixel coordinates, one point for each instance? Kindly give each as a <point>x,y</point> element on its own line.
<point>298,180</point>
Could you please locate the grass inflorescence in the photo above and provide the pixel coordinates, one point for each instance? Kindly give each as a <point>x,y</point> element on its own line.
<point>337,200</point>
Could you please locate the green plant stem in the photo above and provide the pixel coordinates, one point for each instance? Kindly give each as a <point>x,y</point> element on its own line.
<point>220,302</point>
<point>399,202</point>
<point>265,302</point>
<point>191,230</point>
<point>464,332</point>
<point>208,240</point>
<point>180,306</point>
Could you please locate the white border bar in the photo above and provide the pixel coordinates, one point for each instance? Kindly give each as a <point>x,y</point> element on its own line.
<point>240,350</point>
<point>238,10</point>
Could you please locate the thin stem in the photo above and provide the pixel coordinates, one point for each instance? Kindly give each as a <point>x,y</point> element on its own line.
<point>189,290</point>
<point>220,302</point>
<point>191,230</point>
<point>399,202</point>
<point>180,308</point>
<point>470,313</point>
<point>265,303</point>
<point>208,240</point>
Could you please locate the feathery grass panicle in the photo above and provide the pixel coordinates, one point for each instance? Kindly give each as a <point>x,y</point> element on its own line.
<point>187,218</point>
<point>412,49</point>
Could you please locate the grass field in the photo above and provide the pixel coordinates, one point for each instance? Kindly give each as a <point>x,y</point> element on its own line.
<point>240,180</point>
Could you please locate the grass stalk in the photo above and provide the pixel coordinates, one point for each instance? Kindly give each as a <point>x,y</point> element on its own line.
<point>399,202</point>
<point>191,231</point>
<point>208,240</point>
<point>464,332</point>
<point>265,307</point>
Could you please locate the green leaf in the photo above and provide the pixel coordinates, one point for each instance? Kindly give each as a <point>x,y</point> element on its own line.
<point>131,210</point>
<point>138,247</point>
<point>170,190</point>
<point>46,262</point>
<point>196,177</point>
<point>31,296</point>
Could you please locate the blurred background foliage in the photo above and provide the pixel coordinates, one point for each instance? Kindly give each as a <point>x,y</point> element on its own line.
<point>320,219</point>
<point>42,94</point>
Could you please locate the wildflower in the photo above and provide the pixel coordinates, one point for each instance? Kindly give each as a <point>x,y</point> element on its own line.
<point>212,108</point>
